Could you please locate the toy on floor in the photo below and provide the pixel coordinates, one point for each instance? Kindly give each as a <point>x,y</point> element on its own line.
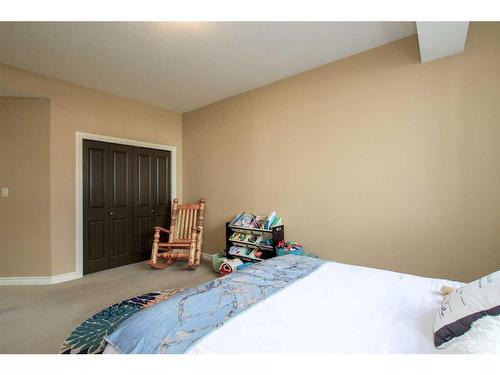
<point>228,266</point>
<point>217,260</point>
<point>288,247</point>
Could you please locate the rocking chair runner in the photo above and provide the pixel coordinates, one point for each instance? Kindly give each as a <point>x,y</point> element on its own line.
<point>184,237</point>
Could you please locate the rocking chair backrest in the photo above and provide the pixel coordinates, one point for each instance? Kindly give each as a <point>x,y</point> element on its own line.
<point>184,218</point>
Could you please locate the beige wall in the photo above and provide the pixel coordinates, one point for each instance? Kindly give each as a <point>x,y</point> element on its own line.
<point>25,170</point>
<point>375,160</point>
<point>74,108</point>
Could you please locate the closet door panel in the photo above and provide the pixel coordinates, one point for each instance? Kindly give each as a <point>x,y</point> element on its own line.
<point>96,240</point>
<point>162,188</point>
<point>121,175</point>
<point>144,176</point>
<point>121,204</point>
<point>144,181</point>
<point>120,246</point>
<point>144,230</point>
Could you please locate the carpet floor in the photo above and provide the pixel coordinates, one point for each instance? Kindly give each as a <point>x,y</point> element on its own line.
<point>37,319</point>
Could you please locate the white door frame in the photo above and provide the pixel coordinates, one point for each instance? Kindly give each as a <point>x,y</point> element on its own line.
<point>79,180</point>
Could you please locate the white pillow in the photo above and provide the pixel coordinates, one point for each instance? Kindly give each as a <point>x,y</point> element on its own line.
<point>482,338</point>
<point>465,305</point>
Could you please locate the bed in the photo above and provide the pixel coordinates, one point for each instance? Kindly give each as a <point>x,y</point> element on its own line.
<point>291,304</point>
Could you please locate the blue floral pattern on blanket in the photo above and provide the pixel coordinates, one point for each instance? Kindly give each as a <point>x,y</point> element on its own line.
<point>174,325</point>
<point>88,337</point>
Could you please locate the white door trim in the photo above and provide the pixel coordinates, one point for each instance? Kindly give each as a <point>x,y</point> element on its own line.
<point>79,181</point>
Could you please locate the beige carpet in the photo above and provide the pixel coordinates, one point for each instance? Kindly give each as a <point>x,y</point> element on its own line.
<point>37,319</point>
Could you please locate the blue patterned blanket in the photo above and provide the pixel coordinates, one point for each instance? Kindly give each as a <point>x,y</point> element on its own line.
<point>174,325</point>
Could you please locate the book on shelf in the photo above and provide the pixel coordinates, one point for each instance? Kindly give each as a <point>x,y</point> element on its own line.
<point>250,221</point>
<point>240,250</point>
<point>269,220</point>
<point>237,237</point>
<point>243,220</point>
<point>245,252</point>
<point>264,241</point>
<point>252,239</point>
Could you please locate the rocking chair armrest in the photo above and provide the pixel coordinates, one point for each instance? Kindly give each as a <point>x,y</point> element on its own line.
<point>160,229</point>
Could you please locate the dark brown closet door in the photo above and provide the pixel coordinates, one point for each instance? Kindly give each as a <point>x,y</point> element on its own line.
<point>144,199</point>
<point>95,206</point>
<point>120,204</point>
<point>151,197</point>
<point>126,193</point>
<point>107,205</point>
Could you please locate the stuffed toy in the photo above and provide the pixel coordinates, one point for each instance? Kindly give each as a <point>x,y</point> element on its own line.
<point>445,290</point>
<point>228,266</point>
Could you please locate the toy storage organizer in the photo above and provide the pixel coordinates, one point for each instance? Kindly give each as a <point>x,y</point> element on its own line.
<point>266,240</point>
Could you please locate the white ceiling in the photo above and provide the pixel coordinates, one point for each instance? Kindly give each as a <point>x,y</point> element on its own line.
<point>185,65</point>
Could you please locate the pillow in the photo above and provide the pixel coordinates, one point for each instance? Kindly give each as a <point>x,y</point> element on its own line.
<point>462,307</point>
<point>482,338</point>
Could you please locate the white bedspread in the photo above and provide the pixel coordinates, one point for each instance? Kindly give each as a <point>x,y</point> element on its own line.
<point>339,308</point>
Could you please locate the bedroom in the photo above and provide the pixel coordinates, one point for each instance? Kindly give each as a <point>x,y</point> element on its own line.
<point>374,154</point>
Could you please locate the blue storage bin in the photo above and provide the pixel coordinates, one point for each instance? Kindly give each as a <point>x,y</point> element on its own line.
<point>282,251</point>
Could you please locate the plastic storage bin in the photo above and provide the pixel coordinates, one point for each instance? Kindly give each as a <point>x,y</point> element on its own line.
<point>283,251</point>
<point>289,248</point>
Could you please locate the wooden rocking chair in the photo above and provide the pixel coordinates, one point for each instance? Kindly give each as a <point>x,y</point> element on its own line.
<point>184,237</point>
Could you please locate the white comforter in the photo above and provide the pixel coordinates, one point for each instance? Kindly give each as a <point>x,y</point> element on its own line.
<point>339,308</point>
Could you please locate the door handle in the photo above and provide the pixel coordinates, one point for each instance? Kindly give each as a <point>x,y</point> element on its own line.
<point>152,210</point>
<point>111,213</point>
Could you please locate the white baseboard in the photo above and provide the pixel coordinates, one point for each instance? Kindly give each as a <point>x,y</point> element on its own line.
<point>36,280</point>
<point>56,279</point>
<point>40,280</point>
